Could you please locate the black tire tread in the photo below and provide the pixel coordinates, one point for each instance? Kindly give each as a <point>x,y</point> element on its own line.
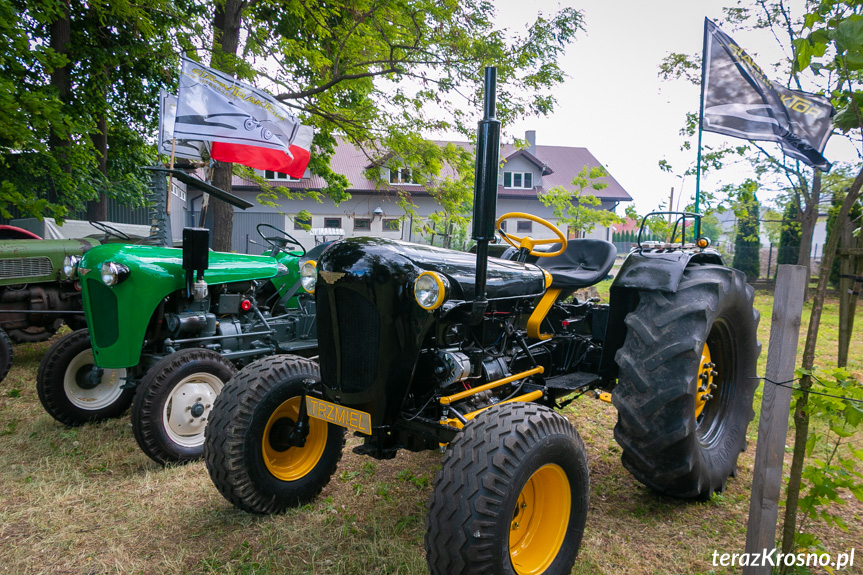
<point>146,407</point>
<point>490,448</point>
<point>6,355</point>
<point>653,395</point>
<point>49,384</point>
<point>232,414</point>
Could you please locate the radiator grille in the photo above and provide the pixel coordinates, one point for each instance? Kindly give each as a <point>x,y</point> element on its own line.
<point>25,267</point>
<point>103,311</point>
<point>357,340</point>
<point>360,332</point>
<point>326,339</point>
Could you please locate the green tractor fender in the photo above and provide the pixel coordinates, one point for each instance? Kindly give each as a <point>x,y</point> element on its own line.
<point>644,270</point>
<point>153,274</point>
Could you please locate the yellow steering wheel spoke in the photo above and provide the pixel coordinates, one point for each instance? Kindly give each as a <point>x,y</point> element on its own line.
<point>529,243</point>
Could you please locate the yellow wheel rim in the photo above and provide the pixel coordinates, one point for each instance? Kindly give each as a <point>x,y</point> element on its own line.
<point>295,462</point>
<point>704,385</point>
<point>539,520</point>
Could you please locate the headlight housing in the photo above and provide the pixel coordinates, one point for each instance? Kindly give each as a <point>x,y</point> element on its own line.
<point>430,290</point>
<point>309,275</point>
<point>70,266</point>
<point>114,273</point>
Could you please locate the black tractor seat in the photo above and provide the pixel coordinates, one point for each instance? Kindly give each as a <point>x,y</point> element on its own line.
<point>584,263</point>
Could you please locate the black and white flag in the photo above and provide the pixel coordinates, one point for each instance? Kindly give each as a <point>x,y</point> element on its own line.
<point>739,100</point>
<point>188,149</point>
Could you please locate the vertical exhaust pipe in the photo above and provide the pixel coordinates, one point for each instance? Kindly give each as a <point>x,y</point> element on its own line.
<point>485,187</point>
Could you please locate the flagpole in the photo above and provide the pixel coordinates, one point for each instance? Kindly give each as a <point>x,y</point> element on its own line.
<point>170,177</point>
<point>704,61</point>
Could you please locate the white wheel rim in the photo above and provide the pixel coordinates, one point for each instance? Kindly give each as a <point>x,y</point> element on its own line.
<point>188,407</point>
<point>103,395</point>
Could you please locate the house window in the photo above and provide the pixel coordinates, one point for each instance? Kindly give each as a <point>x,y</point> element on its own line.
<point>332,222</point>
<point>524,226</point>
<point>503,225</point>
<point>519,180</point>
<point>279,176</point>
<point>363,224</point>
<point>401,176</point>
<point>392,225</point>
<point>178,191</point>
<point>302,223</point>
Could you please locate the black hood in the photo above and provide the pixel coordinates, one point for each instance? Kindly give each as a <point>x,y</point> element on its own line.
<point>374,258</point>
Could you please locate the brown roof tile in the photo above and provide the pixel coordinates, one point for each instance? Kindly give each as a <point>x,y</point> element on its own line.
<point>563,164</point>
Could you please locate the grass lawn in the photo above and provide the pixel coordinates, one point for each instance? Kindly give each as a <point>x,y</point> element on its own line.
<point>86,500</point>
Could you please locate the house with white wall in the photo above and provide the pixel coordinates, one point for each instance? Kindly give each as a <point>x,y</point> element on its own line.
<point>373,208</point>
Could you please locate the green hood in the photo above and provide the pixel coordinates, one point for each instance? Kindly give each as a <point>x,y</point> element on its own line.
<point>34,261</point>
<point>118,316</point>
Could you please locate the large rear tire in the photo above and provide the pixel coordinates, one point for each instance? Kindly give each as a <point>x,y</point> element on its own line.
<point>511,496</point>
<point>687,379</point>
<point>6,354</point>
<point>33,334</point>
<point>66,390</point>
<point>173,403</point>
<point>246,450</point>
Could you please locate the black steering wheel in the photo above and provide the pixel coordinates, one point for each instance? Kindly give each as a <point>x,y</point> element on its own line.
<point>281,242</point>
<point>110,230</point>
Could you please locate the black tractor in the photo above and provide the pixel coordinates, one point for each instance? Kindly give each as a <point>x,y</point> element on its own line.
<point>426,348</point>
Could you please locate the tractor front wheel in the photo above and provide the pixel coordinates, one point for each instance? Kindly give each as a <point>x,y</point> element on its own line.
<point>68,389</point>
<point>173,403</point>
<point>6,354</point>
<point>687,379</point>
<point>252,446</point>
<point>511,496</point>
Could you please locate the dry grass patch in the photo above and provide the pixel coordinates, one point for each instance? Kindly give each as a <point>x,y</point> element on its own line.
<point>86,500</point>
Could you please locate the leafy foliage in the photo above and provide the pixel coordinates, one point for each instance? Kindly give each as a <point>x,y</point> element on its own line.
<point>833,461</point>
<point>579,210</point>
<point>747,243</point>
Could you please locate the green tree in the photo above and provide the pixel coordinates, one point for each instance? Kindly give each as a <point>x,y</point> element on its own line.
<point>831,44</point>
<point>747,244</point>
<point>373,71</point>
<point>772,167</point>
<point>79,79</point>
<point>789,238</point>
<point>578,210</point>
<point>832,217</point>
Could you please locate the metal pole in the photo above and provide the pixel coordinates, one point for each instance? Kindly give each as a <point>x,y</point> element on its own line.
<point>485,183</point>
<point>700,125</point>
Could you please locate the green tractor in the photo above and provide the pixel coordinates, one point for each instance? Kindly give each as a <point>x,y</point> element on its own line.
<point>38,291</point>
<point>167,327</point>
<point>424,348</point>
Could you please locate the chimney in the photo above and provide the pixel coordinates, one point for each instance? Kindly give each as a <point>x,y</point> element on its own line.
<point>530,136</point>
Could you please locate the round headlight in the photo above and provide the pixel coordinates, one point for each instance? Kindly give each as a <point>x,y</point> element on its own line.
<point>70,266</point>
<point>113,273</point>
<point>309,275</point>
<point>430,290</point>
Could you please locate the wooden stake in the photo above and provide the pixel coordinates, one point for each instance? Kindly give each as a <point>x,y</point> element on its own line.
<point>773,425</point>
<point>170,178</point>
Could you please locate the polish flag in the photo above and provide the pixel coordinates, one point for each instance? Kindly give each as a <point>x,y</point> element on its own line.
<point>293,162</point>
<point>245,125</point>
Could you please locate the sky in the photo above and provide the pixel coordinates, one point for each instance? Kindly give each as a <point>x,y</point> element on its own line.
<point>614,102</point>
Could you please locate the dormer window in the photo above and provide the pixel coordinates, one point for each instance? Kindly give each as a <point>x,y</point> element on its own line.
<point>279,176</point>
<point>518,180</point>
<point>401,176</point>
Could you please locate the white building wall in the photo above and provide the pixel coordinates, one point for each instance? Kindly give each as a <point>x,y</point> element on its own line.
<point>364,206</point>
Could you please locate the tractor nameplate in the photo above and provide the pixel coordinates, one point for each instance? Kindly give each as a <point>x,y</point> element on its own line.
<point>353,419</point>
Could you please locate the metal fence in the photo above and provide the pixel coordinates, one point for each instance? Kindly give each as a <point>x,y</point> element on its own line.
<point>116,213</point>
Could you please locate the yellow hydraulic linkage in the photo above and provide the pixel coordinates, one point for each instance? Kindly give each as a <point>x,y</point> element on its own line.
<point>530,396</point>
